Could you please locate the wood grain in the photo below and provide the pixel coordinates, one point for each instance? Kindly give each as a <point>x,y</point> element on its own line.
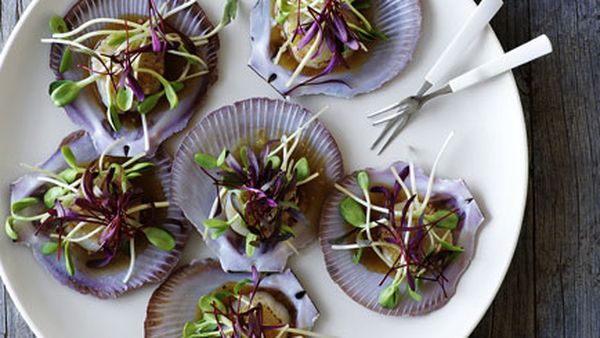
<point>553,286</point>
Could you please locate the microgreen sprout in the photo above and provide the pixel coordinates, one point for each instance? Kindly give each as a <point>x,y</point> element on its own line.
<point>127,59</point>
<point>239,311</point>
<point>98,206</point>
<point>415,240</point>
<point>322,34</point>
<point>258,194</point>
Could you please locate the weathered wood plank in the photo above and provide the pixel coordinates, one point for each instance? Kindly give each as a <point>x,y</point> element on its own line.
<point>553,286</point>
<point>566,196</point>
<point>513,312</point>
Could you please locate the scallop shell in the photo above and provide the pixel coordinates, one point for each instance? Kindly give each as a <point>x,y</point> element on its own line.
<point>399,20</point>
<point>175,302</point>
<point>244,123</point>
<point>88,113</point>
<point>360,283</point>
<point>152,264</point>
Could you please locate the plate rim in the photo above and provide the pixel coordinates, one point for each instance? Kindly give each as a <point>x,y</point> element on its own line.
<point>16,298</point>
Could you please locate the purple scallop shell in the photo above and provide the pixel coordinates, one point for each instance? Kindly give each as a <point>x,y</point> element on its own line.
<point>399,20</point>
<point>88,113</point>
<point>242,124</point>
<point>175,302</point>
<point>360,283</point>
<point>152,264</point>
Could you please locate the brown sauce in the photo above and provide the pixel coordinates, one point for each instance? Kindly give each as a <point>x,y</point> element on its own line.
<point>174,66</point>
<point>279,296</point>
<point>370,260</point>
<point>311,195</point>
<point>289,62</point>
<point>152,192</point>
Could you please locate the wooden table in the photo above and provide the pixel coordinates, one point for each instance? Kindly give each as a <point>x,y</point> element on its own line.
<point>553,286</point>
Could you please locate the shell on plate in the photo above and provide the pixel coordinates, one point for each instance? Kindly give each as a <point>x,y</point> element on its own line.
<point>399,20</point>
<point>250,122</point>
<point>361,283</point>
<point>88,111</point>
<point>152,264</point>
<point>175,302</point>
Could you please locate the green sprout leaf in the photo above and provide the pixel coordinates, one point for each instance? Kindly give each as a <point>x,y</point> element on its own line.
<point>250,244</point>
<point>213,223</point>
<point>206,303</point>
<point>66,62</point>
<point>57,25</point>
<point>8,228</point>
<point>139,167</point>
<point>284,11</point>
<point>275,161</point>
<point>206,161</point>
<point>302,169</point>
<point>69,157</point>
<point>229,12</point>
<point>451,247</point>
<point>389,296</point>
<point>149,103</point>
<point>222,157</point>
<point>160,238</point>
<point>52,195</point>
<point>68,175</point>
<point>113,117</point>
<point>23,204</point>
<point>244,156</point>
<point>171,95</point>
<point>125,98</point>
<point>55,84</point>
<point>443,219</point>
<point>414,294</point>
<point>65,92</point>
<point>357,255</point>
<point>133,175</point>
<point>352,212</point>
<point>116,39</point>
<point>218,227</point>
<point>363,180</point>
<point>286,229</point>
<point>68,262</point>
<point>178,86</point>
<point>239,286</point>
<point>49,248</point>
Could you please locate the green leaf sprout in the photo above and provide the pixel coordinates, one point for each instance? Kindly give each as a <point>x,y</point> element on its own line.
<point>66,62</point>
<point>389,296</point>
<point>57,25</point>
<point>160,238</point>
<point>302,169</point>
<point>206,161</point>
<point>352,212</point>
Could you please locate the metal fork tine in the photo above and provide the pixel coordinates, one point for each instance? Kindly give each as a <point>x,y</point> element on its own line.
<point>395,134</point>
<point>385,110</point>
<point>390,117</point>
<point>386,130</point>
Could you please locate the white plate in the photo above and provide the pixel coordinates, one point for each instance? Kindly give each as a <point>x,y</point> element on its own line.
<point>489,151</point>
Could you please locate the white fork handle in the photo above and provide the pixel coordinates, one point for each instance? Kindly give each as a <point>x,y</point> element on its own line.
<point>467,33</point>
<point>521,55</point>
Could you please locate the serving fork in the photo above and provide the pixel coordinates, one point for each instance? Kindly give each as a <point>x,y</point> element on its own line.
<point>403,110</point>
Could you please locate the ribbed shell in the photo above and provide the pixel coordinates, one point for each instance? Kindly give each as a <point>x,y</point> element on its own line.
<point>362,284</point>
<point>152,264</point>
<point>399,20</point>
<point>175,302</point>
<point>88,113</point>
<point>243,123</point>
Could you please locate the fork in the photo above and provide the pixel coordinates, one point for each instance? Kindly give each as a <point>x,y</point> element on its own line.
<point>480,18</point>
<point>521,55</point>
